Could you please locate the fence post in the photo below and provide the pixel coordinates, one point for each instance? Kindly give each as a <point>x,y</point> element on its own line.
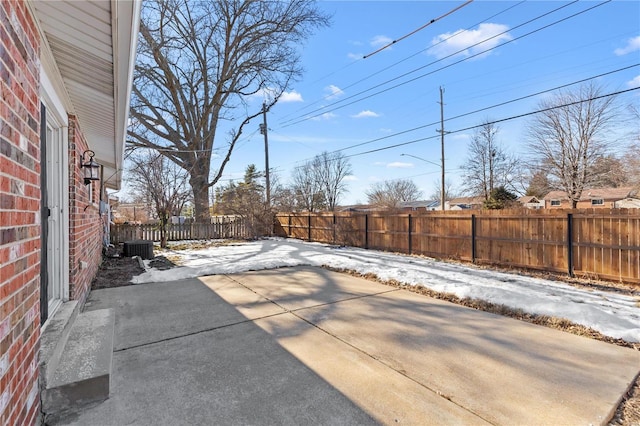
<point>309,227</point>
<point>410,234</point>
<point>289,220</point>
<point>334,228</point>
<point>366,231</point>
<point>473,238</point>
<point>570,244</point>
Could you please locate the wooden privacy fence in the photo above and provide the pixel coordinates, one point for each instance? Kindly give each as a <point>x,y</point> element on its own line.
<point>232,228</point>
<point>596,243</point>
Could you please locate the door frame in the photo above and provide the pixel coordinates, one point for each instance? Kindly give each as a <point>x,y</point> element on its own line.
<point>56,257</point>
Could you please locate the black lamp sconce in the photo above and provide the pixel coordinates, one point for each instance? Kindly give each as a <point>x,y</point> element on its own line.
<point>90,167</point>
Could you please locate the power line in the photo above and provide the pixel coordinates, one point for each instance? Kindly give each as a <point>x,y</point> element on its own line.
<point>444,40</point>
<point>513,117</point>
<point>531,95</point>
<point>455,9</point>
<point>324,110</point>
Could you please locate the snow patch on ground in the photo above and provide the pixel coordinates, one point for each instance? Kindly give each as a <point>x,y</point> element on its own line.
<point>612,314</point>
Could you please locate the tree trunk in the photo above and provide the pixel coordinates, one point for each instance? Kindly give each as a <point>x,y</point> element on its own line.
<point>164,220</point>
<point>200,199</point>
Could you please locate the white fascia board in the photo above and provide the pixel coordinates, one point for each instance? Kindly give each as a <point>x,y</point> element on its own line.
<point>125,15</point>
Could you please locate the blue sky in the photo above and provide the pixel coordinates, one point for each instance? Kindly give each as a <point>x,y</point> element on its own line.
<point>336,104</point>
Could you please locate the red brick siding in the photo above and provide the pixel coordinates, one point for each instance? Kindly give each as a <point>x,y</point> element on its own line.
<point>85,227</point>
<point>19,214</point>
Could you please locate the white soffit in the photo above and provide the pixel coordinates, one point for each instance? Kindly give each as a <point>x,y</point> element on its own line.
<point>93,45</point>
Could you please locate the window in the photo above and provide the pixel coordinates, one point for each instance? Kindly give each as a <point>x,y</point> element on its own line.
<point>555,203</point>
<point>597,202</point>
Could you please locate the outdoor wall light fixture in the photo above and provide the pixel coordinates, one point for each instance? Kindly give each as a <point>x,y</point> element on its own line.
<point>91,168</point>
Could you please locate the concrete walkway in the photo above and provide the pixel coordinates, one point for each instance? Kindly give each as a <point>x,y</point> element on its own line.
<point>308,346</point>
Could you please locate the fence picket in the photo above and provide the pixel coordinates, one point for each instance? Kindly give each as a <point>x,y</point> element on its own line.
<point>602,243</point>
<point>232,228</point>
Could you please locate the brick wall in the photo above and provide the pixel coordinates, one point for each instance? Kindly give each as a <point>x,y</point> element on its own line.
<point>19,214</point>
<point>85,227</point>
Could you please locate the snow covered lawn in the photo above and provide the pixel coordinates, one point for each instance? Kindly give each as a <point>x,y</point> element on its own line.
<point>612,314</point>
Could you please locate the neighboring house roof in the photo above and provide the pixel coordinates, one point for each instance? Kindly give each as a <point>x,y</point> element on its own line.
<point>419,204</point>
<point>595,193</point>
<point>466,201</point>
<point>527,199</point>
<point>556,195</point>
<point>93,44</point>
<point>356,208</point>
<point>629,203</point>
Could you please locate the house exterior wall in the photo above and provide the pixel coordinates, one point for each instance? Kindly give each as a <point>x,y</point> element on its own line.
<point>584,204</point>
<point>19,214</point>
<point>564,204</point>
<point>85,227</point>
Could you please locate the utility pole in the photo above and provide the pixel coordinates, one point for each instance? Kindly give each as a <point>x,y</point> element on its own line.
<point>263,130</point>
<point>442,145</point>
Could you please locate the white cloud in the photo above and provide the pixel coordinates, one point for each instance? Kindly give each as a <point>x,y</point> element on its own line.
<point>633,44</point>
<point>292,96</point>
<point>355,56</point>
<point>365,114</point>
<point>399,165</point>
<point>350,178</point>
<point>333,92</point>
<point>325,116</point>
<point>635,82</point>
<point>379,41</point>
<point>448,43</point>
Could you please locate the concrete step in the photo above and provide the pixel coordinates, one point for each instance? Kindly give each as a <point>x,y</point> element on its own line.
<point>53,339</point>
<point>83,373</point>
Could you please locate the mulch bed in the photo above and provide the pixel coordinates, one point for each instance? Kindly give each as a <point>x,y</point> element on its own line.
<point>117,270</point>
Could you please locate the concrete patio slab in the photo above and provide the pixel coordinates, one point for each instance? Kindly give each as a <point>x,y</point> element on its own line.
<point>305,286</point>
<point>390,396</point>
<point>308,346</point>
<point>149,313</point>
<point>234,375</point>
<point>503,370</point>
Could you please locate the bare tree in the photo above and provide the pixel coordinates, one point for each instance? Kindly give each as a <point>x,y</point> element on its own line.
<point>609,172</point>
<point>330,170</point>
<point>488,165</point>
<point>198,64</point>
<point>161,184</point>
<point>306,186</point>
<point>631,157</point>
<point>247,199</point>
<point>449,191</point>
<point>631,161</point>
<point>390,193</point>
<point>283,197</point>
<point>569,136</point>
<point>538,183</point>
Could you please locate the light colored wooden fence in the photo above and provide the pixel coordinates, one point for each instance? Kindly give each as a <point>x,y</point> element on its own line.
<point>596,243</point>
<point>231,228</point>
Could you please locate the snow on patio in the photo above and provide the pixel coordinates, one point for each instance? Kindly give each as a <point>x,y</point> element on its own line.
<point>612,314</point>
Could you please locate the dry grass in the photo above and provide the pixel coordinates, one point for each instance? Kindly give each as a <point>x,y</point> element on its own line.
<point>628,412</point>
<point>173,246</point>
<point>195,245</point>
